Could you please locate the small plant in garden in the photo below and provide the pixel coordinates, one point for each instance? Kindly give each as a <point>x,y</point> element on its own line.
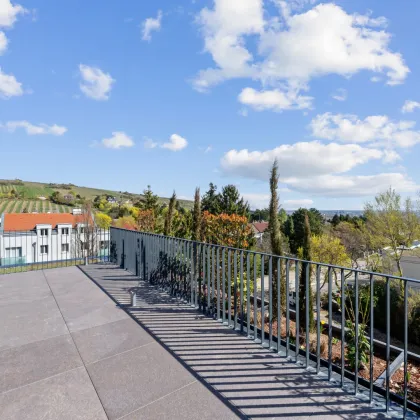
<point>363,345</point>
<point>335,340</point>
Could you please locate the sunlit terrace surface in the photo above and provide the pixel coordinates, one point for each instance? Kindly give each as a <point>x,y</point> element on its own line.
<point>72,346</point>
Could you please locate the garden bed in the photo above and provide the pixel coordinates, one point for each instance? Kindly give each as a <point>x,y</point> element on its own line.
<point>379,362</point>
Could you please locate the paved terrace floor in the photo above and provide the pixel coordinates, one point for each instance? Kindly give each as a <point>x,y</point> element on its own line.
<point>69,351</point>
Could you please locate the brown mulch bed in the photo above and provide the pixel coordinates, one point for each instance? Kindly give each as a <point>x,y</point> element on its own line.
<point>379,364</point>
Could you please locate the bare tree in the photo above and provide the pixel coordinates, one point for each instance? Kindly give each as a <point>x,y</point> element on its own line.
<point>392,224</point>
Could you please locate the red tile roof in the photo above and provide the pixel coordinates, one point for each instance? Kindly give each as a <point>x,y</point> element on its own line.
<point>261,226</point>
<point>28,221</point>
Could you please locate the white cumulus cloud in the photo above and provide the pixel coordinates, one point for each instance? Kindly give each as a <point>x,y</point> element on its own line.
<point>150,25</point>
<point>352,186</point>
<point>9,13</point>
<point>257,200</point>
<point>410,106</point>
<point>224,28</point>
<point>32,129</point>
<point>175,144</point>
<point>294,47</point>
<point>378,129</point>
<point>295,204</point>
<point>298,160</point>
<point>275,100</point>
<point>118,140</point>
<point>9,86</point>
<point>3,42</point>
<point>96,84</point>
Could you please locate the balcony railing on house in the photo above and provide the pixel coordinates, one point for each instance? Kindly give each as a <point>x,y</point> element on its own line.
<point>35,250</point>
<point>264,296</point>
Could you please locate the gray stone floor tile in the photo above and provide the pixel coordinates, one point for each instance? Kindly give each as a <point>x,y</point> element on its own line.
<point>191,402</point>
<point>26,323</point>
<point>85,306</point>
<point>133,379</point>
<point>23,288</point>
<point>32,362</point>
<point>110,339</point>
<point>68,396</point>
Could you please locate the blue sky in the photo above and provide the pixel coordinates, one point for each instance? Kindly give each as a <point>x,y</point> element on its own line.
<point>124,94</point>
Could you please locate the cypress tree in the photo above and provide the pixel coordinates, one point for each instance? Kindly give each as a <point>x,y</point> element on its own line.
<point>196,228</point>
<point>275,237</point>
<point>167,230</point>
<point>306,255</point>
<point>274,223</point>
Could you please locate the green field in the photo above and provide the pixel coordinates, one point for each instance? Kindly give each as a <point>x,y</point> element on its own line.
<point>32,191</point>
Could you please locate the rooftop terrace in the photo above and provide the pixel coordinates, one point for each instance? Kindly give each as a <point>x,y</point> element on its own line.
<point>73,347</point>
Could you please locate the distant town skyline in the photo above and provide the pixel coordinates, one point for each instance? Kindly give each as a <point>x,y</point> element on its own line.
<point>178,95</point>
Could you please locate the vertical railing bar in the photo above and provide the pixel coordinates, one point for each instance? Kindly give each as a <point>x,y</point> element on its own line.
<point>213,280</point>
<point>343,324</point>
<point>192,272</point>
<point>241,275</point>
<point>297,308</point>
<point>405,347</point>
<point>388,334</point>
<point>307,309</point>
<point>371,281</point>
<point>329,323</point>
<point>287,308</point>
<point>318,318</point>
<point>229,287</point>
<point>270,302</point>
<point>223,285</point>
<point>218,282</point>
<point>262,301</point>
<point>356,327</point>
<point>248,294</point>
<point>279,308</point>
<point>235,290</point>
<point>209,249</point>
<point>255,306</point>
<point>203,285</point>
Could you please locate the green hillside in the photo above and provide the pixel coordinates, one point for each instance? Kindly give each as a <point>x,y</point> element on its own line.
<point>31,194</point>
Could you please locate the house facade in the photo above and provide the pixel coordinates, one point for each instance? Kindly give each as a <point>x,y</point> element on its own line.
<point>43,237</point>
<point>258,229</point>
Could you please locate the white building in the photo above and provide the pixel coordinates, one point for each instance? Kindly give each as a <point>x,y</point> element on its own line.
<point>37,238</point>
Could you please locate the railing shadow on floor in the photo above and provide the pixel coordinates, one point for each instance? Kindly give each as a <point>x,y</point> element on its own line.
<point>190,337</point>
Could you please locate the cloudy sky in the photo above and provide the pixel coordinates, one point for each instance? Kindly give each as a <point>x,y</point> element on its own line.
<point>178,94</point>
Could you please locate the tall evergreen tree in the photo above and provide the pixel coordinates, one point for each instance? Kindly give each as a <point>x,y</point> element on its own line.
<point>150,201</point>
<point>210,200</point>
<point>275,236</point>
<point>196,228</point>
<point>167,230</point>
<point>306,255</point>
<point>274,222</point>
<point>231,202</point>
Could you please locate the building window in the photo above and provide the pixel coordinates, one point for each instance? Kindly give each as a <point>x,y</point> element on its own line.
<point>44,232</point>
<point>15,252</point>
<point>82,230</point>
<point>104,244</point>
<point>84,245</point>
<point>44,249</point>
<point>65,231</point>
<point>65,247</point>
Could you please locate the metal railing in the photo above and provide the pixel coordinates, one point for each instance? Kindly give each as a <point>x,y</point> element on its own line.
<point>31,250</point>
<point>265,296</point>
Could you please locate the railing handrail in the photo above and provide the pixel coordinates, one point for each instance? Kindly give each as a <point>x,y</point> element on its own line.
<point>322,264</point>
